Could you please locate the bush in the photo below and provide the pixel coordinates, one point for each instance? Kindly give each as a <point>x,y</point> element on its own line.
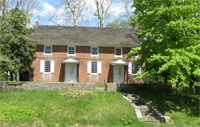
<point>14,83</point>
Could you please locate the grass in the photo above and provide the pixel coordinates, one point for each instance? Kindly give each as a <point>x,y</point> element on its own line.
<point>50,108</point>
<point>100,85</point>
<point>183,109</point>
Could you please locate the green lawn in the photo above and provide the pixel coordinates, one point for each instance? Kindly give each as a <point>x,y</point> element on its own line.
<point>184,109</point>
<point>50,108</point>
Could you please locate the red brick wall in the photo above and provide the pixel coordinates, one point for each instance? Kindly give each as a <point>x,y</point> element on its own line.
<point>59,53</point>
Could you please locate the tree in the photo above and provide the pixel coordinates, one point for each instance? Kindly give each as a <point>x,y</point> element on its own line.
<point>171,48</point>
<point>15,45</point>
<point>103,7</point>
<point>123,20</point>
<point>73,12</point>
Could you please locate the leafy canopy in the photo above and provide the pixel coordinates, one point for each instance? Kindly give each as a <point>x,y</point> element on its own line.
<point>14,43</point>
<point>171,47</point>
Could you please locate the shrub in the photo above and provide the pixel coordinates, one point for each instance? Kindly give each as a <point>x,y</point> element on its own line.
<point>14,83</point>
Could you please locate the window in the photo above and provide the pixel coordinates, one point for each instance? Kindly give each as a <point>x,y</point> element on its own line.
<point>47,50</point>
<point>118,52</point>
<point>133,68</point>
<point>71,50</point>
<point>94,67</point>
<point>47,66</point>
<point>94,51</point>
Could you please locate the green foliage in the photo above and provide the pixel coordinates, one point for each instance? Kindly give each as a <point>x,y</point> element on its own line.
<point>118,23</point>
<point>171,50</point>
<point>14,83</point>
<point>17,114</point>
<point>100,85</point>
<point>126,122</point>
<point>14,44</point>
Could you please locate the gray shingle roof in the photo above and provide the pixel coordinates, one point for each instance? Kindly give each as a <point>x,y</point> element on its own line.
<point>84,35</point>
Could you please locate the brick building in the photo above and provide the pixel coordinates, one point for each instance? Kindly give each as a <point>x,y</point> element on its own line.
<point>83,54</point>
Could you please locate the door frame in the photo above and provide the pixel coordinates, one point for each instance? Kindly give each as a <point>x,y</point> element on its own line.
<point>114,74</point>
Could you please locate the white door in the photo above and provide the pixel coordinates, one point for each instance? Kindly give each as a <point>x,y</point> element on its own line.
<point>118,73</point>
<point>70,72</point>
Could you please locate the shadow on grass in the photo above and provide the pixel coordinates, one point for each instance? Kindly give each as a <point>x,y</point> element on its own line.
<point>170,102</point>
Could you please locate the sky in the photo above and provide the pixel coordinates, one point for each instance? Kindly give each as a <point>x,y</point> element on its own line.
<point>50,8</point>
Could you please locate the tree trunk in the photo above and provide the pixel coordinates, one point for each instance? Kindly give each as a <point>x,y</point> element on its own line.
<point>13,76</point>
<point>191,87</point>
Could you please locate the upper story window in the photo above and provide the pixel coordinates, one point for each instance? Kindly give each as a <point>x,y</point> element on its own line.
<point>118,52</point>
<point>47,50</point>
<point>71,50</point>
<point>94,51</point>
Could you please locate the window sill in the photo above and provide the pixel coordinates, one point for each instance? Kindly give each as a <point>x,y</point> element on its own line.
<point>71,54</point>
<point>47,73</point>
<point>134,74</point>
<point>118,56</point>
<point>94,74</point>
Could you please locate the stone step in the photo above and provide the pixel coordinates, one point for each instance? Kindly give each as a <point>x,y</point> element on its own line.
<point>148,115</point>
<point>143,107</point>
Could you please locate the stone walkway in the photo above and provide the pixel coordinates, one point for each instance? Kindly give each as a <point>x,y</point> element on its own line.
<point>143,112</point>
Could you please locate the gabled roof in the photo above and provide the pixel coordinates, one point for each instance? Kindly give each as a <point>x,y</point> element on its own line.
<point>84,35</point>
<point>119,62</point>
<point>70,60</point>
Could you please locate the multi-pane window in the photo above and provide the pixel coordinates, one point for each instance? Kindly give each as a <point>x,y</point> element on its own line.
<point>71,50</point>
<point>93,67</point>
<point>133,68</point>
<point>94,51</point>
<point>47,49</point>
<point>118,51</point>
<point>47,66</point>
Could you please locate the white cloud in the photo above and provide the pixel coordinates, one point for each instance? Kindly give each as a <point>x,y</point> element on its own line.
<point>48,9</point>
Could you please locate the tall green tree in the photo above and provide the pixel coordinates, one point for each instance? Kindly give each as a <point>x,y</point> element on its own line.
<point>171,47</point>
<point>14,43</point>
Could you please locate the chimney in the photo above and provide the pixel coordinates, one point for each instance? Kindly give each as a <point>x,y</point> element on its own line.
<point>37,23</point>
<point>135,26</point>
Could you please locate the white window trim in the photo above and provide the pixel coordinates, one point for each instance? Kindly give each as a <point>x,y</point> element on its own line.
<point>130,70</point>
<point>47,53</point>
<point>97,51</point>
<point>121,52</point>
<point>44,67</point>
<point>68,51</point>
<point>89,68</point>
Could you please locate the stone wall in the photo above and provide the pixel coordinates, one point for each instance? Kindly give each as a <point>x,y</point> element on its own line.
<point>49,85</point>
<point>148,87</point>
